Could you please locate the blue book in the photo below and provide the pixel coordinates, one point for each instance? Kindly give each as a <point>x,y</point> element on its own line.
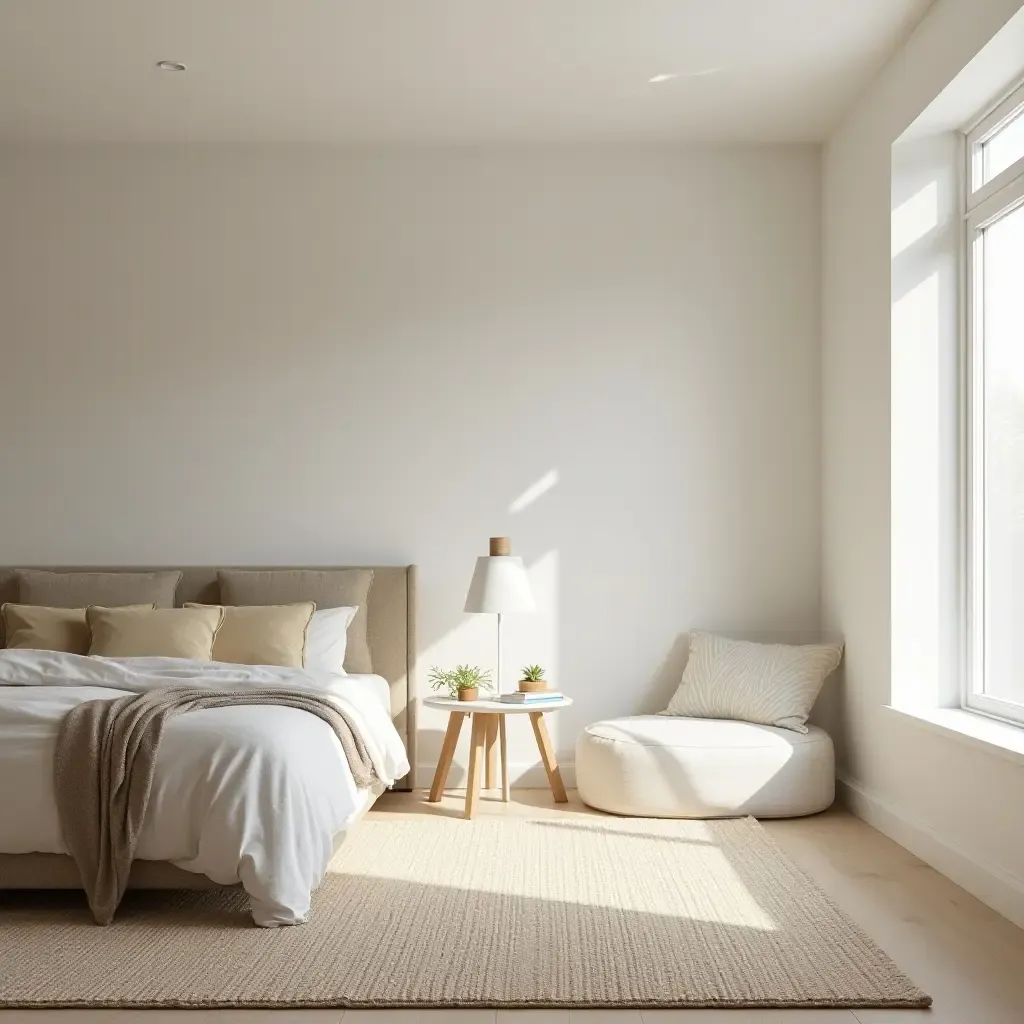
<point>536,697</point>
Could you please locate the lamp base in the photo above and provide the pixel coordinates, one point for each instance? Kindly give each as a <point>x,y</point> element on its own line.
<point>497,689</point>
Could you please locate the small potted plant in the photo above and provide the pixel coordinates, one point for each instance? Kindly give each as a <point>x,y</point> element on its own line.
<point>464,682</point>
<point>533,679</point>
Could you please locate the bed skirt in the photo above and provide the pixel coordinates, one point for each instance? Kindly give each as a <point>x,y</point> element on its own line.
<point>58,870</point>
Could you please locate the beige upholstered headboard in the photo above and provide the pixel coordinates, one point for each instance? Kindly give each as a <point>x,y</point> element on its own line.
<point>390,625</point>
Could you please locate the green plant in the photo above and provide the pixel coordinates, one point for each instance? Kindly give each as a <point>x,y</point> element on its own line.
<point>533,673</point>
<point>462,677</point>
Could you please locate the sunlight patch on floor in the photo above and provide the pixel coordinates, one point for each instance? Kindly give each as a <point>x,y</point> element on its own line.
<point>537,865</point>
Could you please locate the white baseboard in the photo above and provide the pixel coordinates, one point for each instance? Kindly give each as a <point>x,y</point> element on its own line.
<point>523,775</point>
<point>1002,891</point>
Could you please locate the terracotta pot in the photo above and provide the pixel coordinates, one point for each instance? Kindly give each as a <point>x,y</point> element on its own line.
<point>532,685</point>
<point>469,693</point>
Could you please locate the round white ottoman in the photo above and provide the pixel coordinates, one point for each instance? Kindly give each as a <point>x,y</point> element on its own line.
<point>656,766</point>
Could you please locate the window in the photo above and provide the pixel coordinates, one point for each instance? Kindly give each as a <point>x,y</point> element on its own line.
<point>994,420</point>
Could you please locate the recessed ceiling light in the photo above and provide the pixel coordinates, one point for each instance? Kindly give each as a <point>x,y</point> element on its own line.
<point>170,65</point>
<point>662,78</point>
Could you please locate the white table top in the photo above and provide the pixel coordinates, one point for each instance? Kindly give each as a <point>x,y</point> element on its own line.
<point>494,707</point>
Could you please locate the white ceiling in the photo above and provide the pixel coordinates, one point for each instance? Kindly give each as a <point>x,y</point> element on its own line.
<point>387,71</point>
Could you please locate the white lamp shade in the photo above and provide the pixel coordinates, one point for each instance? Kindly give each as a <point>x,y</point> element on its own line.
<point>500,584</point>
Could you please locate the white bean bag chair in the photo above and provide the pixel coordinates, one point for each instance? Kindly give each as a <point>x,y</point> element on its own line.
<point>655,766</point>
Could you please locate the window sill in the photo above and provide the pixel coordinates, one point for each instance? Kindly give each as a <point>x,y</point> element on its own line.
<point>998,738</point>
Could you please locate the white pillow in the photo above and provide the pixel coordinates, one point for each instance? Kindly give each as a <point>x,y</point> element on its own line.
<point>326,639</point>
<point>770,684</point>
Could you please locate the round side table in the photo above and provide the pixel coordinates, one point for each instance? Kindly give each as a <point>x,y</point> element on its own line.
<point>488,718</point>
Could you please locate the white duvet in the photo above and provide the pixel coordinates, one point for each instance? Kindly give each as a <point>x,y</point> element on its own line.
<point>250,794</point>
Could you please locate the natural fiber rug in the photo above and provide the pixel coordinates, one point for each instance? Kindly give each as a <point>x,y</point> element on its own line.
<point>437,912</point>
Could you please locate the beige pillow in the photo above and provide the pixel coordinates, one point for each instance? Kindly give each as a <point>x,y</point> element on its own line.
<point>106,589</point>
<point>35,628</point>
<point>769,684</point>
<point>157,633</point>
<point>327,588</point>
<point>273,634</point>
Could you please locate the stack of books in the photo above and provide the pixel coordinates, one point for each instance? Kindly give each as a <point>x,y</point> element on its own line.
<point>534,697</point>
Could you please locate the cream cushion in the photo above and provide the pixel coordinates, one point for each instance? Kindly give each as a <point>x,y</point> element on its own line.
<point>33,627</point>
<point>773,684</point>
<point>658,767</point>
<point>157,632</point>
<point>273,634</point>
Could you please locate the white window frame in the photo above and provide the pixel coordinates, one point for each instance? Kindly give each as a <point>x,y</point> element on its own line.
<point>982,206</point>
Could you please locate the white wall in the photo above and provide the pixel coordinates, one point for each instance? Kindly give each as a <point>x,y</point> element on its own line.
<point>927,233</point>
<point>306,356</point>
<point>949,801</point>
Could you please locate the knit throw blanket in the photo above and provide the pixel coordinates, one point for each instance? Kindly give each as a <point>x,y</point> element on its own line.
<point>104,763</point>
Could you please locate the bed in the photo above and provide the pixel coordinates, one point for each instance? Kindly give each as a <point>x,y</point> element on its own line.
<point>390,630</point>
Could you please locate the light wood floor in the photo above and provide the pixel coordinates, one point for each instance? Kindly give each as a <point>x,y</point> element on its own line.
<point>968,957</point>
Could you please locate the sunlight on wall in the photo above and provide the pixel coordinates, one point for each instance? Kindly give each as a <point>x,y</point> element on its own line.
<point>915,468</point>
<point>544,631</point>
<point>529,638</point>
<point>915,217</point>
<point>526,638</point>
<point>924,381</point>
<point>534,491</point>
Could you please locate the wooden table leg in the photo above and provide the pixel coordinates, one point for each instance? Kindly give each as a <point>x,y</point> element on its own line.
<point>492,751</point>
<point>504,759</point>
<point>476,755</point>
<point>451,739</point>
<point>547,755</point>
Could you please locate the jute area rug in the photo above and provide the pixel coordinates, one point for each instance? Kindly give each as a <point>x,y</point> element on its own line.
<point>437,912</point>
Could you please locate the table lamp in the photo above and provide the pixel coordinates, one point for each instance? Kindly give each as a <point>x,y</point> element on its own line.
<point>500,585</point>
